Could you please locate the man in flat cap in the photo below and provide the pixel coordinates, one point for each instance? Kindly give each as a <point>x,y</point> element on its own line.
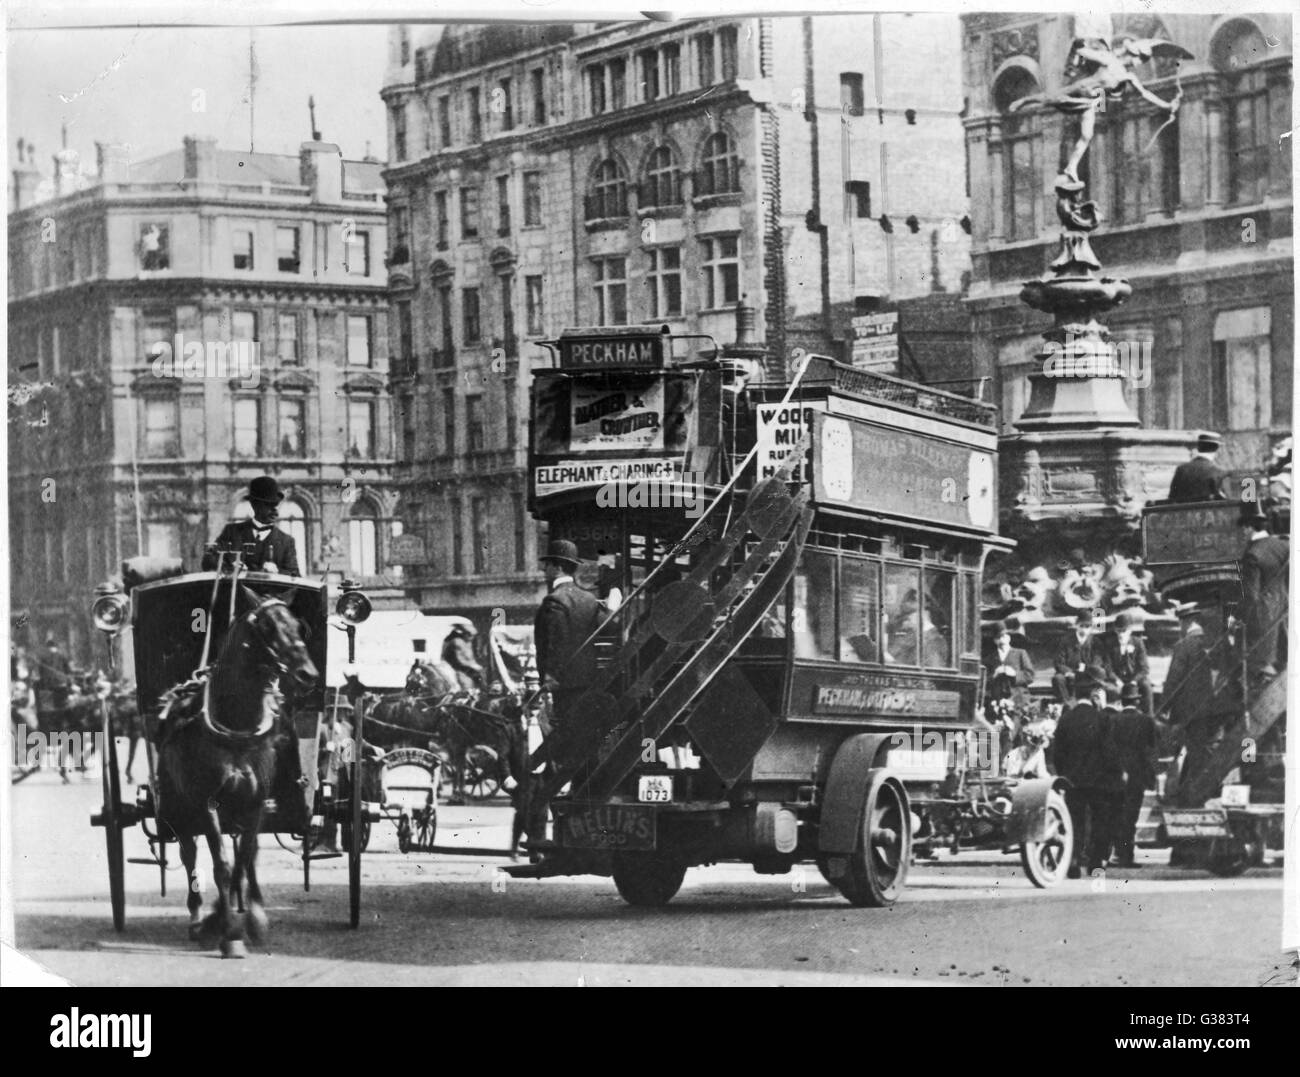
<point>272,549</point>
<point>566,619</point>
<point>1200,478</point>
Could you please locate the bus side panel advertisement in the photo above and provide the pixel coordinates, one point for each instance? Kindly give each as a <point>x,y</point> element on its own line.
<point>902,473</point>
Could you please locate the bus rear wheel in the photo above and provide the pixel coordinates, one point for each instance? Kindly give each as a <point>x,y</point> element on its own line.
<point>876,871</point>
<point>647,879</point>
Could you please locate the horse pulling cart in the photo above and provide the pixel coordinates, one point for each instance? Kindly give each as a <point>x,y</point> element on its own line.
<point>230,680</point>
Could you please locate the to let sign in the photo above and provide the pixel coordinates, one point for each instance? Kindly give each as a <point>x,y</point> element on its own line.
<point>875,339</point>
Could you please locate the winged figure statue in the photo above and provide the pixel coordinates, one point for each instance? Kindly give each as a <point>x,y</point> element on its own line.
<point>1101,67</point>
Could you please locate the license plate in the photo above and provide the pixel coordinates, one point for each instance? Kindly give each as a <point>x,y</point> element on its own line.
<point>929,763</point>
<point>1196,823</point>
<point>1235,796</point>
<point>654,789</point>
<point>609,826</point>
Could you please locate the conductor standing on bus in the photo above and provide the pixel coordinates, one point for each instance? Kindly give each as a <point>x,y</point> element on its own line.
<point>567,617</point>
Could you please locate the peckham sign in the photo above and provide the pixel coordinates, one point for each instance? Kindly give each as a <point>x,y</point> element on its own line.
<point>612,352</point>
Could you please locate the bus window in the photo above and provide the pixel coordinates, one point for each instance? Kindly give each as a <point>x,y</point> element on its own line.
<point>772,624</point>
<point>859,611</point>
<point>813,616</point>
<point>937,618</point>
<point>902,613</point>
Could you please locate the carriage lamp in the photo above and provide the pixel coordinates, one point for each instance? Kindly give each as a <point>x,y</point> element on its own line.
<point>109,610</point>
<point>353,605</point>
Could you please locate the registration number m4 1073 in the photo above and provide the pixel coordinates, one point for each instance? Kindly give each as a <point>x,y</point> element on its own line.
<point>654,789</point>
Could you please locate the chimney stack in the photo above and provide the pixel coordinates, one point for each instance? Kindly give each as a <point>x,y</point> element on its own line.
<point>321,170</point>
<point>200,159</point>
<point>67,172</point>
<point>114,162</point>
<point>26,179</point>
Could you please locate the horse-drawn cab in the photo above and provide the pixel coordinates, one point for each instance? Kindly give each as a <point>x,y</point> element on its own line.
<point>230,668</point>
<point>180,625</point>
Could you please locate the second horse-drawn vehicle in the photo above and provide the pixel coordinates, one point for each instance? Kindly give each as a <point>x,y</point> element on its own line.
<point>230,678</point>
<point>795,672</point>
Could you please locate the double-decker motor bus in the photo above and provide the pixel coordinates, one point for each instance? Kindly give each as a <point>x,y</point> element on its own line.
<point>794,673</point>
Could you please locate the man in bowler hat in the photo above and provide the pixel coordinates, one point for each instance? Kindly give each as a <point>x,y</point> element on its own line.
<point>1077,653</point>
<point>567,617</point>
<point>272,549</point>
<point>1135,745</point>
<point>1085,755</point>
<point>1200,478</point>
<point>1265,571</point>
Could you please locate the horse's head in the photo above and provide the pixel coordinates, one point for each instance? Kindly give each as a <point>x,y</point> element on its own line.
<point>276,629</point>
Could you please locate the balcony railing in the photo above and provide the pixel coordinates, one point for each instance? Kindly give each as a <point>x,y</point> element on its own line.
<point>897,391</point>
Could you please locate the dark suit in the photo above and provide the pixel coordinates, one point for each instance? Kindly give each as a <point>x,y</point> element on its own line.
<point>1085,755</point>
<point>564,621</point>
<point>1264,568</point>
<point>1200,479</point>
<point>530,807</point>
<point>1135,748</point>
<point>1069,658</point>
<point>276,547</point>
<point>1003,686</point>
<point>1132,667</point>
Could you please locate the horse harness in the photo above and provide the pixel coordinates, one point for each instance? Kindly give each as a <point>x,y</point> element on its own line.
<point>201,681</point>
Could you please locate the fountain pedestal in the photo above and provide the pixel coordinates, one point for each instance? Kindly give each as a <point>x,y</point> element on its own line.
<point>1080,469</point>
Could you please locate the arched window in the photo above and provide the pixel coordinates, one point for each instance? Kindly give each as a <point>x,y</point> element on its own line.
<point>1021,184</point>
<point>293,522</point>
<point>363,539</point>
<point>1237,51</point>
<point>663,179</point>
<point>720,166</point>
<point>608,197</point>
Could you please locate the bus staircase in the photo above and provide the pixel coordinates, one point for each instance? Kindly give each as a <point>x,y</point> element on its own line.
<point>678,636</point>
<point>1254,714</point>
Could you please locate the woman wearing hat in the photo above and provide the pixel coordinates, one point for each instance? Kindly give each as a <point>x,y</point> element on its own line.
<point>272,549</point>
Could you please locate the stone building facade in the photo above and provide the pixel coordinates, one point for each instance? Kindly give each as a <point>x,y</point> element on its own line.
<point>547,176</point>
<point>1197,215</point>
<point>274,267</point>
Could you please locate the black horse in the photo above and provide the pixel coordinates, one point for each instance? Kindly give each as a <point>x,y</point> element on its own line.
<point>218,759</point>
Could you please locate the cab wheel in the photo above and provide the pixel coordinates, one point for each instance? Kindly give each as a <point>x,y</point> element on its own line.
<point>647,878</point>
<point>875,873</point>
<point>1046,862</point>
